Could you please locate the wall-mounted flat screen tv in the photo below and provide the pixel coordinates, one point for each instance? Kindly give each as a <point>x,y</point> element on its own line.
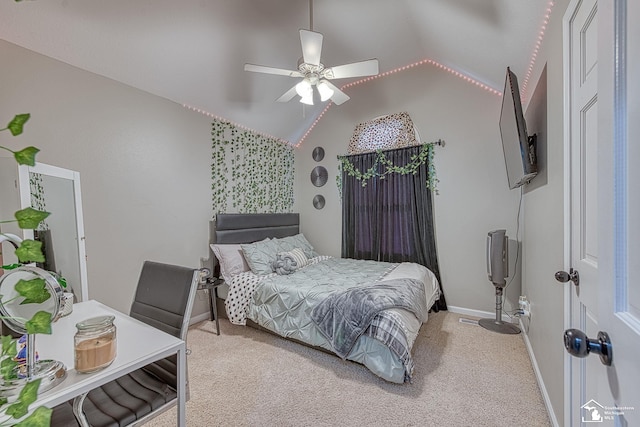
<point>519,147</point>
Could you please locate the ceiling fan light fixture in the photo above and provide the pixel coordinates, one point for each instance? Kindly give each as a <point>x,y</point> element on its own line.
<point>304,88</point>
<point>325,91</point>
<point>307,99</point>
<point>314,73</point>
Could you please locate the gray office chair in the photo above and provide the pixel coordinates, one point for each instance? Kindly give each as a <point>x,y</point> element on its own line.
<point>164,299</point>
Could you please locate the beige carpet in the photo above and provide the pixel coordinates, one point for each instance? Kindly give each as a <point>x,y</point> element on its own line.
<point>465,376</point>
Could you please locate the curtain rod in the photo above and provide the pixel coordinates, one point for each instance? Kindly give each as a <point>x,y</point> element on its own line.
<point>439,142</point>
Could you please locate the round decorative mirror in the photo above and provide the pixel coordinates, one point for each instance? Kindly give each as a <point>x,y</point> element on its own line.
<point>30,294</point>
<point>319,176</point>
<point>318,154</point>
<point>318,201</point>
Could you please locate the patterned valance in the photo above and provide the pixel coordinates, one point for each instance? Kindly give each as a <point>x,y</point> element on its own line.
<point>383,133</point>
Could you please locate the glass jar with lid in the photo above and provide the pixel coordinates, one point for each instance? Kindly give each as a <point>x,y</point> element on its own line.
<point>95,344</point>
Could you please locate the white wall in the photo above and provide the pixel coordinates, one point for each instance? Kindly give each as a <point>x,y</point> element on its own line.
<point>474,196</point>
<point>144,164</point>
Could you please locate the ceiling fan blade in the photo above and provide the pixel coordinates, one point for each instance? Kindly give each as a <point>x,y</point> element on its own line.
<point>356,69</point>
<point>288,95</point>
<point>338,97</point>
<point>311,46</point>
<point>271,70</point>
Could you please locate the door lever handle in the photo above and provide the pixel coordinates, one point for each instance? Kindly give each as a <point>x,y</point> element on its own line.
<point>572,275</point>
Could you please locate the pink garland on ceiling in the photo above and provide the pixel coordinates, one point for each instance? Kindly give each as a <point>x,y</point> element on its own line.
<point>536,49</point>
<point>397,70</point>
<point>239,126</point>
<point>462,76</point>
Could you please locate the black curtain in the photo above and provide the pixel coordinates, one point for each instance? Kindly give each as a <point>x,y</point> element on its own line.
<point>391,217</point>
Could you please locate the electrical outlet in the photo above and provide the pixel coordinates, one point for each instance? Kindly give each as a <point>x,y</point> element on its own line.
<point>525,306</point>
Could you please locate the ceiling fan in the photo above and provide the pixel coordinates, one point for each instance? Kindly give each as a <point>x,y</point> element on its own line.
<point>314,73</point>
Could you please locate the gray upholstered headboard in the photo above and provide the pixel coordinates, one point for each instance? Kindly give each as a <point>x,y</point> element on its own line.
<point>248,228</point>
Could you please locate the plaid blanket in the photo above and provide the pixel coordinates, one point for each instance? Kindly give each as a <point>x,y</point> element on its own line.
<point>344,316</point>
<point>385,327</point>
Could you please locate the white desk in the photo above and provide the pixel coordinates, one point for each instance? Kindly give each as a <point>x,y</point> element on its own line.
<point>138,345</point>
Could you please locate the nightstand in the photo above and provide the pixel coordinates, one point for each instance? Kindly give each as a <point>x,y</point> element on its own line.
<point>212,285</point>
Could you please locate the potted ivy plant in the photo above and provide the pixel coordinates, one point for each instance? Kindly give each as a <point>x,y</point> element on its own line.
<point>33,291</point>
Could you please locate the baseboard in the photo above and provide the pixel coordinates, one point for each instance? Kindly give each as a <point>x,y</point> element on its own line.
<point>470,312</point>
<point>199,318</point>
<point>536,370</point>
<point>480,313</point>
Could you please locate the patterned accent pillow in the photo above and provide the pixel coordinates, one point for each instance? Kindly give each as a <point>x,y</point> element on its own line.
<point>260,254</point>
<point>288,262</point>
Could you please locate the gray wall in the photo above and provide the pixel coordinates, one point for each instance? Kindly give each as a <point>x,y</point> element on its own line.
<point>474,196</point>
<point>144,165</point>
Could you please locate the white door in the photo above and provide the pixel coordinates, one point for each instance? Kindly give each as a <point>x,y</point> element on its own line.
<point>604,210</point>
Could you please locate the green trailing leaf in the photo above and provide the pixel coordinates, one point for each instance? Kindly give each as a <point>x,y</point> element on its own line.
<point>34,291</point>
<point>26,156</point>
<point>7,368</point>
<point>29,218</point>
<point>8,346</point>
<point>63,282</point>
<point>16,125</point>
<point>8,364</point>
<point>10,267</point>
<point>27,396</point>
<point>30,251</point>
<point>41,417</point>
<point>40,323</point>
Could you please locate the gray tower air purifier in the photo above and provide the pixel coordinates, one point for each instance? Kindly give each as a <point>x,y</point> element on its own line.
<point>498,270</point>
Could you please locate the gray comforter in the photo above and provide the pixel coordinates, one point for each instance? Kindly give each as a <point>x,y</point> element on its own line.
<point>283,304</point>
<point>345,315</point>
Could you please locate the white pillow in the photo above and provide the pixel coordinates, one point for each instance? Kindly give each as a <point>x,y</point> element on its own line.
<point>286,244</point>
<point>231,259</point>
<point>259,255</point>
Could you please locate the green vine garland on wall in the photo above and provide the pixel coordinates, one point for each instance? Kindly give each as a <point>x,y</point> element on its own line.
<point>425,156</point>
<point>251,173</point>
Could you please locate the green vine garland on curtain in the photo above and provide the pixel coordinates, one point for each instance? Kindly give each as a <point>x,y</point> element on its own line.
<point>251,173</point>
<point>425,156</point>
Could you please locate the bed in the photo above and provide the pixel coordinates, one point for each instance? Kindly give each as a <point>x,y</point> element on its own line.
<point>363,311</point>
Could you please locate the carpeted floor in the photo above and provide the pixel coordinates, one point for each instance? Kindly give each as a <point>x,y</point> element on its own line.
<point>464,376</point>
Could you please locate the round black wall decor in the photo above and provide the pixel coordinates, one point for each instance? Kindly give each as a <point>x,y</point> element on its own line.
<point>318,201</point>
<point>318,154</point>
<point>319,176</point>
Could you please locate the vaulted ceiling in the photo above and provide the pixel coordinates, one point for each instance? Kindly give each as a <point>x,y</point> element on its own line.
<point>193,51</point>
